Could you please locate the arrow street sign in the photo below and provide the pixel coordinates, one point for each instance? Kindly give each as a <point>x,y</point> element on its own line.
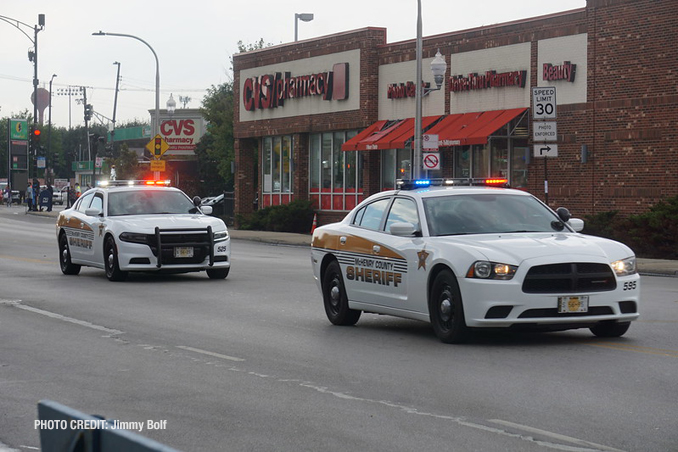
<point>546,150</point>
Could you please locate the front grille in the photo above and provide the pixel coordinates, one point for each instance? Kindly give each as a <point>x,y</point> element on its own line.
<point>553,312</point>
<point>201,240</point>
<point>570,278</point>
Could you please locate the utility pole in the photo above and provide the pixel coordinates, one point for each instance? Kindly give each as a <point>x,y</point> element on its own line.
<point>115,102</point>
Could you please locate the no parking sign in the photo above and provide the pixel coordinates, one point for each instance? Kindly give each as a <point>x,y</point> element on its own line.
<point>431,160</point>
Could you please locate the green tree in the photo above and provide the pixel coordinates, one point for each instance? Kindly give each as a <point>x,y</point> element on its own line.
<point>127,164</point>
<point>215,149</point>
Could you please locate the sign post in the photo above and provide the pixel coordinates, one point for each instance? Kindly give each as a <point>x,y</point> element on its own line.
<point>157,147</point>
<point>544,107</point>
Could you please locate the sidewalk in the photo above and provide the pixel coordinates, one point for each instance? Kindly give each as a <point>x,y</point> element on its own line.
<point>647,267</point>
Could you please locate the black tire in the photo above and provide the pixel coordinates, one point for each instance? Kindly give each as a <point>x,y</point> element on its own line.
<point>67,267</point>
<point>610,329</point>
<point>335,298</point>
<point>218,273</point>
<point>113,272</point>
<point>446,309</point>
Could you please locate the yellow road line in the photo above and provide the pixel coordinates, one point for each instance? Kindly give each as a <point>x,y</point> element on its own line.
<point>634,348</point>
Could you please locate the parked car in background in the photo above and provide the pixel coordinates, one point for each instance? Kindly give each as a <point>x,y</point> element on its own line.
<point>16,194</point>
<point>60,196</point>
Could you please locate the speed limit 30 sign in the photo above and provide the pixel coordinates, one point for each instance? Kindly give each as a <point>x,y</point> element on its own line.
<point>544,102</point>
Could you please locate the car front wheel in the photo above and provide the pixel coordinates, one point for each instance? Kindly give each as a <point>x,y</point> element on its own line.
<point>113,272</point>
<point>446,309</point>
<point>67,267</point>
<point>610,329</point>
<point>335,298</point>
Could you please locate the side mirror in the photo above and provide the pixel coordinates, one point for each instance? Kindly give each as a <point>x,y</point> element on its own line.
<point>92,212</point>
<point>402,229</point>
<point>207,210</point>
<point>577,224</point>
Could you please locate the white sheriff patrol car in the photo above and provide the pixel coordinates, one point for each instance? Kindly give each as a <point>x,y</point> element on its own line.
<point>464,256</point>
<point>141,226</point>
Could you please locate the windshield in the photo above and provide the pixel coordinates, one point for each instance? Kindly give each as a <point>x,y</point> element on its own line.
<point>149,202</point>
<point>488,213</point>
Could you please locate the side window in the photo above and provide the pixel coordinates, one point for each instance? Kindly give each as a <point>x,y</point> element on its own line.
<point>403,210</point>
<point>98,202</point>
<point>370,216</point>
<point>84,202</point>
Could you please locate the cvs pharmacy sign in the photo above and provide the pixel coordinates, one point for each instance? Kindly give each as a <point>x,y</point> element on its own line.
<point>180,134</point>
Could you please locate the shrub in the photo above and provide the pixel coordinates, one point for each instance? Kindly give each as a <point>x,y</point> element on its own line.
<point>296,216</point>
<point>652,234</point>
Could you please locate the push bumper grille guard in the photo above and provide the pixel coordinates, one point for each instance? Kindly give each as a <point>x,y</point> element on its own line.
<point>210,241</point>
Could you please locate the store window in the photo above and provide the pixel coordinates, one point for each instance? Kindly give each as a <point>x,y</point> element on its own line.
<point>277,170</point>
<point>395,164</point>
<point>335,176</point>
<point>505,155</point>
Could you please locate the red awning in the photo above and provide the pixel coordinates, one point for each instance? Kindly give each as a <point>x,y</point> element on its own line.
<point>472,128</point>
<point>386,135</point>
<point>351,144</point>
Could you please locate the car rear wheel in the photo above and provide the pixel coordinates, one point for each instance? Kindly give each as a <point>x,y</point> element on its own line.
<point>335,298</point>
<point>446,309</point>
<point>610,329</point>
<point>67,267</point>
<point>113,272</point>
<point>218,273</point>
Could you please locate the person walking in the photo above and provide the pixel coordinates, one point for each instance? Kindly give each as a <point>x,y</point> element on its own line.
<point>50,196</point>
<point>8,195</point>
<point>29,197</point>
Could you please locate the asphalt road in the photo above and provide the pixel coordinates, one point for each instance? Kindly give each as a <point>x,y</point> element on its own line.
<point>251,363</point>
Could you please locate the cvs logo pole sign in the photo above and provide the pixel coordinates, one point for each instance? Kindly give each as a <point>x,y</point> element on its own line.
<point>180,134</point>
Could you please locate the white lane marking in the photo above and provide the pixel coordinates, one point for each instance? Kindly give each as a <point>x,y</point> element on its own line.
<point>556,436</point>
<point>17,304</point>
<point>205,352</point>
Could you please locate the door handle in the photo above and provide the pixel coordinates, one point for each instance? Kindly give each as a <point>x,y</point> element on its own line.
<point>342,240</point>
<point>376,249</point>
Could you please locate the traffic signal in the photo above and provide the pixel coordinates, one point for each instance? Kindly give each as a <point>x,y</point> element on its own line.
<point>35,136</point>
<point>157,147</point>
<point>88,112</point>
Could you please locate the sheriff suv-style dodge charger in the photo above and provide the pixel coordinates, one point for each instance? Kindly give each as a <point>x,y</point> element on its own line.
<point>461,256</point>
<point>141,226</point>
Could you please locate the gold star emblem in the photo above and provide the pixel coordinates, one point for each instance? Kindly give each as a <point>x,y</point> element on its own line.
<point>423,255</point>
<point>101,230</point>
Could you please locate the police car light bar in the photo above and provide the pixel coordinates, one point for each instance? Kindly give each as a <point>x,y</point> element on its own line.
<point>129,183</point>
<point>405,184</point>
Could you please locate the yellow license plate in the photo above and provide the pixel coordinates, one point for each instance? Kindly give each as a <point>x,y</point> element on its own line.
<point>183,251</point>
<point>573,304</point>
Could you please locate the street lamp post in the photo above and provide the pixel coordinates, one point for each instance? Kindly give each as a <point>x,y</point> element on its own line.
<point>49,129</point>
<point>157,75</point>
<point>438,67</point>
<point>306,17</point>
<point>33,57</point>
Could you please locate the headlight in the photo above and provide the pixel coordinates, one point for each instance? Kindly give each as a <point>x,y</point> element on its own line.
<point>624,267</point>
<point>491,270</point>
<point>220,236</point>
<point>134,237</point>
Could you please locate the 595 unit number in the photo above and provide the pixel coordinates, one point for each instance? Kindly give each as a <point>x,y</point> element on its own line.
<point>630,285</point>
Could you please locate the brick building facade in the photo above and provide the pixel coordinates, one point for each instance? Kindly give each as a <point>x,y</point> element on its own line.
<point>613,64</point>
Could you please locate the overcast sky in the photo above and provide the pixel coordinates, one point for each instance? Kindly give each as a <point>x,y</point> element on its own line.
<point>194,41</point>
